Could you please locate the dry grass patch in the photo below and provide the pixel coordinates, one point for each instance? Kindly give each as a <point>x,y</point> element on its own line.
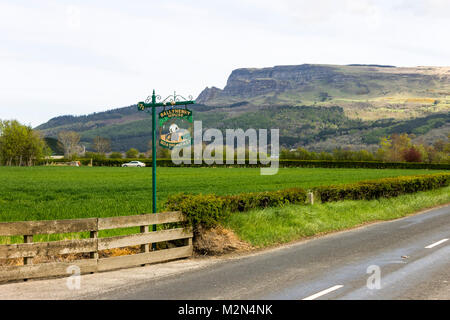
<point>217,241</point>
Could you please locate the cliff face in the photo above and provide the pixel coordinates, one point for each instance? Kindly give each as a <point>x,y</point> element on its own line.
<point>310,83</point>
<point>248,83</point>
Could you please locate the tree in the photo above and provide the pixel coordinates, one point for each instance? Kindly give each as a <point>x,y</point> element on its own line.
<point>392,148</point>
<point>412,155</point>
<point>439,145</point>
<point>324,96</point>
<point>161,153</point>
<point>101,145</point>
<point>132,153</point>
<point>13,137</point>
<point>303,154</point>
<point>35,147</point>
<point>20,145</point>
<point>70,141</point>
<point>116,155</point>
<point>94,156</point>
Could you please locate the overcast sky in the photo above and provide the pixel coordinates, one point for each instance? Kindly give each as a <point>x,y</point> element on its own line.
<point>78,57</point>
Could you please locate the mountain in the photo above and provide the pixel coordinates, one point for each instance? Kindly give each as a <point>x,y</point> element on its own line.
<point>316,106</point>
<point>364,91</point>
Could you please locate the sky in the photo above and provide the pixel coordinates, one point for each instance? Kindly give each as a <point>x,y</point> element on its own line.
<point>79,57</point>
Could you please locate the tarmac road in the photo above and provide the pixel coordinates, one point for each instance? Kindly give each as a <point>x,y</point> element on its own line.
<point>411,256</point>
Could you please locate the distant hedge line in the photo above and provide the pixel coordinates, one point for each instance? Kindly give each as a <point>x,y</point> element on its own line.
<point>282,164</point>
<point>209,210</point>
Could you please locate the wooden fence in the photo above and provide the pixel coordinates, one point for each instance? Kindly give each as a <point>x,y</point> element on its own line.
<point>29,249</point>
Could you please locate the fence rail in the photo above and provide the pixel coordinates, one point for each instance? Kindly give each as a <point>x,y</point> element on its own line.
<point>29,249</point>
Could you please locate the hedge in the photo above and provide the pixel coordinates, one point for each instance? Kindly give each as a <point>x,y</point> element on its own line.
<point>282,164</point>
<point>209,210</point>
<point>381,188</point>
<point>206,210</point>
<point>247,201</point>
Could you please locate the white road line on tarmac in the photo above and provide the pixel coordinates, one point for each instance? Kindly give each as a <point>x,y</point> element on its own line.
<point>436,244</point>
<point>324,292</point>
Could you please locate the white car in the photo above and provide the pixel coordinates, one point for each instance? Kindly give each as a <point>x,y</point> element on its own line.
<point>134,164</point>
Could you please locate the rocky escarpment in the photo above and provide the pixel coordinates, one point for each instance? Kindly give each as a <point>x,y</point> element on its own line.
<point>247,83</point>
<point>312,82</point>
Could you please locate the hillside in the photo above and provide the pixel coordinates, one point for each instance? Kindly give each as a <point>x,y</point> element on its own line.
<point>316,106</point>
<point>318,128</point>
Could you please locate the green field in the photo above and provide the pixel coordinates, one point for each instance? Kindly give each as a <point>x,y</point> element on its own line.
<point>41,193</point>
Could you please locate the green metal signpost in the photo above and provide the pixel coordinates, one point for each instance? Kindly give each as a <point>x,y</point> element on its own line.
<point>150,102</point>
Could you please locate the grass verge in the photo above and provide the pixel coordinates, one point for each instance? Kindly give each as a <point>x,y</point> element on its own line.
<point>273,226</point>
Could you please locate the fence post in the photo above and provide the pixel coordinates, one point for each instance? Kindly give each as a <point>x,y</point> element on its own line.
<point>27,239</point>
<point>310,198</point>
<point>188,241</point>
<point>94,235</point>
<point>145,247</point>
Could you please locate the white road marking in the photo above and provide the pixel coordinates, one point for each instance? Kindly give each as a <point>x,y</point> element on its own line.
<point>324,292</point>
<point>436,244</point>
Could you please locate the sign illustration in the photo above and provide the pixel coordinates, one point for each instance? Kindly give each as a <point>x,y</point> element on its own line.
<point>175,126</point>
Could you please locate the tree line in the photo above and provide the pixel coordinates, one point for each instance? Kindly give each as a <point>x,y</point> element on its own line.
<point>395,148</point>
<point>20,145</point>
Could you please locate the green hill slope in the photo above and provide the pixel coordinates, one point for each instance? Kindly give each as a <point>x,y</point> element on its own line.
<point>299,125</point>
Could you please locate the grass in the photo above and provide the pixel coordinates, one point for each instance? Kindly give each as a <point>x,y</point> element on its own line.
<point>272,226</point>
<point>45,193</point>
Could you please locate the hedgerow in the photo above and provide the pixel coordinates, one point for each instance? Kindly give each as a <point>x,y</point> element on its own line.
<point>210,210</point>
<point>247,201</point>
<point>381,188</point>
<point>282,164</point>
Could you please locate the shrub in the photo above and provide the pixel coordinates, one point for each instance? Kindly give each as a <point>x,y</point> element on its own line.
<point>386,188</point>
<point>200,210</point>
<point>248,201</point>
